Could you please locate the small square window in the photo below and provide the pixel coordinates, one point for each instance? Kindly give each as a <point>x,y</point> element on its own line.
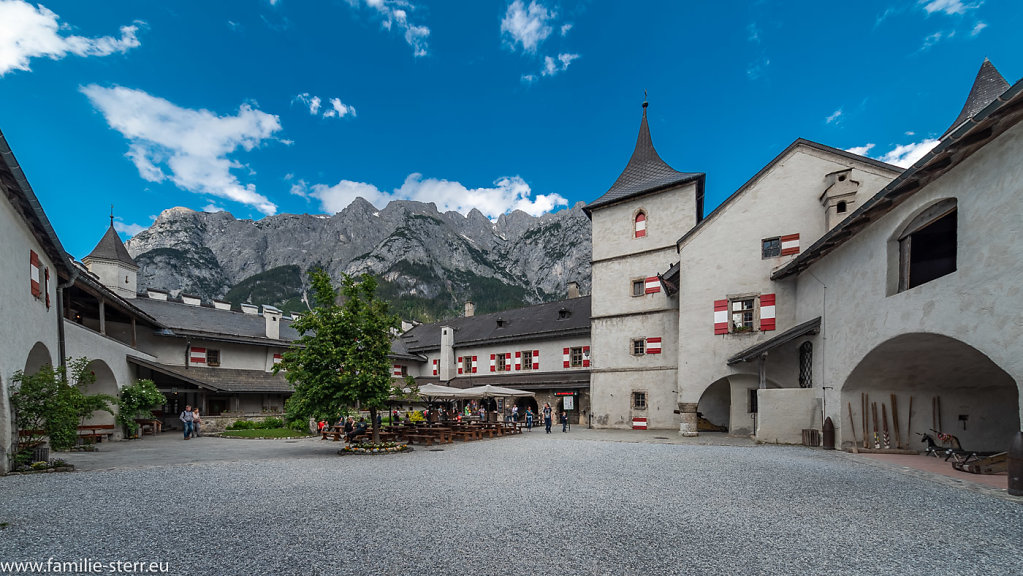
<point>467,365</point>
<point>638,287</point>
<point>742,314</point>
<point>527,360</point>
<point>502,363</point>
<point>576,357</point>
<point>639,400</point>
<point>639,347</point>
<point>770,247</point>
<point>212,357</point>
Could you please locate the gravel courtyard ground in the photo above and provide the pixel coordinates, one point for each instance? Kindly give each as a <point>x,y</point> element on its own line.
<point>579,503</point>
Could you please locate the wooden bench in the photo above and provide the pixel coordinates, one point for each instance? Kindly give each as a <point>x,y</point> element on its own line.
<point>96,432</point>
<point>337,434</point>
<point>426,439</point>
<point>466,435</point>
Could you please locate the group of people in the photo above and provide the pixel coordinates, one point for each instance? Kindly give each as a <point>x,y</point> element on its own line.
<point>548,420</point>
<point>192,421</point>
<point>352,429</point>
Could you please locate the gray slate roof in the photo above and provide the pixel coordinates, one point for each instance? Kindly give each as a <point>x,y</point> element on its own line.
<point>223,379</point>
<point>987,86</point>
<point>645,173</point>
<point>111,247</point>
<point>214,324</point>
<point>529,323</point>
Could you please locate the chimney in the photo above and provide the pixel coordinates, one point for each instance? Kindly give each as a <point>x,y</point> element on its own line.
<point>273,321</point>
<point>573,289</point>
<point>221,305</point>
<point>446,365</point>
<point>191,300</point>
<point>250,309</point>
<point>470,309</point>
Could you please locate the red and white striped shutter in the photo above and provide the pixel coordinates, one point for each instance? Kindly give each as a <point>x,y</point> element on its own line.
<point>639,423</point>
<point>586,356</point>
<point>653,345</point>
<point>46,287</point>
<point>435,367</point>
<point>459,364</point>
<point>397,370</point>
<point>720,317</point>
<point>493,362</point>
<point>507,361</point>
<point>34,272</point>
<point>518,361</point>
<point>640,225</point>
<point>278,359</point>
<point>766,312</point>
<point>566,357</point>
<point>196,355</point>
<point>653,285</point>
<point>473,364</point>
<point>536,359</point>
<point>790,244</point>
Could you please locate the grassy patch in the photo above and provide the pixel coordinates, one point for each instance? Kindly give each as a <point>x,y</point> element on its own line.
<point>267,433</point>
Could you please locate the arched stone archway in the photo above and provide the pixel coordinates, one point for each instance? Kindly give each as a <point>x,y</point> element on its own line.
<point>730,402</point>
<point>38,357</point>
<point>977,400</point>
<point>715,406</point>
<point>106,383</point>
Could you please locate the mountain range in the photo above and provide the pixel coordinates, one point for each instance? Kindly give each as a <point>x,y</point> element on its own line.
<point>428,263</point>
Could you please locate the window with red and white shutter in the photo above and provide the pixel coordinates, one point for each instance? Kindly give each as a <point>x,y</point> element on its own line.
<point>459,364</point>
<point>653,285</point>
<point>397,370</point>
<point>518,361</point>
<point>493,362</point>
<point>720,317</point>
<point>586,356</point>
<point>35,273</point>
<point>197,355</point>
<point>640,225</point>
<point>789,244</point>
<point>566,357</point>
<point>653,345</point>
<point>536,359</point>
<point>473,364</point>
<point>767,313</point>
<point>435,367</point>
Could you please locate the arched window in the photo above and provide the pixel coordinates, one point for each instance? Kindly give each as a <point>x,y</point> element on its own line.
<point>640,225</point>
<point>841,207</point>
<point>927,246</point>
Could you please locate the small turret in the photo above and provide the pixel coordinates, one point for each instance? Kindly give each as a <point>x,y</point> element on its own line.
<point>112,264</point>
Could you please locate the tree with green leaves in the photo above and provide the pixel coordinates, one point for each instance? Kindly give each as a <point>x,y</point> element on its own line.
<point>52,402</point>
<point>137,401</point>
<point>340,359</point>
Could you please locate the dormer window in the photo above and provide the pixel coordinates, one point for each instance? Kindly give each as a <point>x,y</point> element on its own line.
<point>563,314</point>
<point>500,322</point>
<point>841,207</point>
<point>639,228</point>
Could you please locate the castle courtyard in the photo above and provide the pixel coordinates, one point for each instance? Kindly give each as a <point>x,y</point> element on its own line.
<point>585,502</point>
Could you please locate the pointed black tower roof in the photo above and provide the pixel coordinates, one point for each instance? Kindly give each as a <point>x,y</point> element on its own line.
<point>645,173</point>
<point>110,247</point>
<point>988,86</point>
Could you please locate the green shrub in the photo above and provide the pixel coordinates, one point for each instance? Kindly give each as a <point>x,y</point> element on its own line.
<point>271,423</point>
<point>242,425</point>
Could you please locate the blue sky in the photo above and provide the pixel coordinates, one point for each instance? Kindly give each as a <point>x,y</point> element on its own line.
<point>260,107</point>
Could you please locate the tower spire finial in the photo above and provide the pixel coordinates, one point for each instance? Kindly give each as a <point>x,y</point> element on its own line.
<point>644,98</point>
<point>111,215</point>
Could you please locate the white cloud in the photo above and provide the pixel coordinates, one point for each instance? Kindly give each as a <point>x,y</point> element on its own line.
<point>27,32</point>
<point>129,229</point>
<point>860,150</point>
<point>528,78</point>
<point>338,109</point>
<point>977,28</point>
<point>188,147</point>
<point>211,207</point>
<point>932,39</point>
<point>552,66</point>
<point>903,155</point>
<point>565,28</point>
<point>527,26</point>
<point>506,194</point>
<point>834,116</point>
<point>906,155</point>
<point>395,15</point>
<point>949,7</point>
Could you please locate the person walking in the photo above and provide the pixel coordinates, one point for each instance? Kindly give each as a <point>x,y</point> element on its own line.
<point>564,421</point>
<point>186,417</point>
<point>196,421</point>
<point>547,416</point>
<point>529,418</point>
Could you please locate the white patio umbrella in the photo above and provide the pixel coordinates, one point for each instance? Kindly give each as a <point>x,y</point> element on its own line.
<point>489,391</point>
